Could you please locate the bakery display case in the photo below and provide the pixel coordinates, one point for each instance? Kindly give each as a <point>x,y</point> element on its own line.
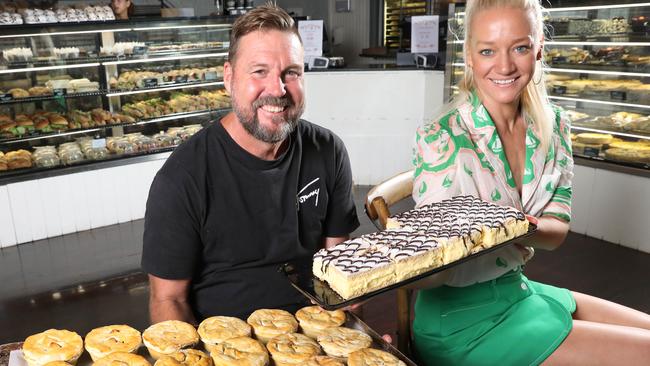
<point>597,60</point>
<point>75,94</point>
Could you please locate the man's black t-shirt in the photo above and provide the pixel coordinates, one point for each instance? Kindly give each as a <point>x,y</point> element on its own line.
<point>228,220</point>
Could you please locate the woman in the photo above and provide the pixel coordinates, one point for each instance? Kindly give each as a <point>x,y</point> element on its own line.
<point>502,141</point>
<point>122,8</point>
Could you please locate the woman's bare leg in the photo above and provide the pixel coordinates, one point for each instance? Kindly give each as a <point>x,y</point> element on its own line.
<point>591,343</point>
<point>595,309</point>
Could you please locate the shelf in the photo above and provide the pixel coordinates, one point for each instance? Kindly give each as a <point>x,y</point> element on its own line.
<point>172,57</point>
<point>163,87</point>
<point>618,104</point>
<point>597,7</point>
<point>618,132</point>
<point>85,162</point>
<point>50,62</point>
<point>617,69</point>
<point>42,26</point>
<point>53,97</point>
<point>44,68</point>
<point>169,117</point>
<point>598,72</point>
<point>582,41</point>
<point>590,69</point>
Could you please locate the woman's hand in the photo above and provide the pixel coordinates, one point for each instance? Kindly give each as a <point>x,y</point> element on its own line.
<point>532,219</point>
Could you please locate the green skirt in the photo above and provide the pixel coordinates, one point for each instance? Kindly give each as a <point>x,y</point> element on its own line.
<point>507,321</point>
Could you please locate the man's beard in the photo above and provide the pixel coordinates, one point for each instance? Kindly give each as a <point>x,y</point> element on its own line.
<point>247,116</point>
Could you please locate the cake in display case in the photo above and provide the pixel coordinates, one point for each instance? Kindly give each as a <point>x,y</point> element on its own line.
<point>79,93</point>
<point>597,60</point>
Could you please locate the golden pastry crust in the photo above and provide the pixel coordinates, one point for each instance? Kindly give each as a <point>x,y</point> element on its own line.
<point>628,156</point>
<point>340,342</point>
<point>170,336</point>
<point>53,345</point>
<point>57,363</point>
<point>324,361</point>
<point>630,145</point>
<point>103,341</point>
<point>269,323</point>
<point>313,319</point>
<point>185,357</point>
<point>594,138</point>
<point>373,357</point>
<point>217,329</point>
<point>121,359</point>
<point>240,351</point>
<point>292,348</point>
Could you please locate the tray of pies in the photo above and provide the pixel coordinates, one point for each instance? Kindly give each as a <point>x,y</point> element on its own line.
<point>313,336</point>
<point>416,244</point>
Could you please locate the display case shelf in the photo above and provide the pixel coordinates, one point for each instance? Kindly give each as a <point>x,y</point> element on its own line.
<point>52,97</point>
<point>602,78</point>
<point>164,87</point>
<point>165,58</point>
<point>176,48</point>
<point>96,128</point>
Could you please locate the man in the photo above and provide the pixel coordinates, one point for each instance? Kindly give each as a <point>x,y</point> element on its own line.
<point>255,189</point>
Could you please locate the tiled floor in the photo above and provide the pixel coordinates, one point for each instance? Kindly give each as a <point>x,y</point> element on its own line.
<point>87,279</point>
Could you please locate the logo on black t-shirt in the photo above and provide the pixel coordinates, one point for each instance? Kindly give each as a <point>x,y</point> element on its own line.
<point>302,198</point>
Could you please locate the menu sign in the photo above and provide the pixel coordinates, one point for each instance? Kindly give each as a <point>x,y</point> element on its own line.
<point>311,32</point>
<point>424,34</point>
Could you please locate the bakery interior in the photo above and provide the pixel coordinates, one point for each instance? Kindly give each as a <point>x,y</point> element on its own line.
<point>91,106</point>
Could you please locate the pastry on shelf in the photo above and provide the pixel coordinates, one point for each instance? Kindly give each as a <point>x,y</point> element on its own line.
<point>18,93</point>
<point>594,138</point>
<point>24,124</point>
<point>82,85</point>
<point>641,125</point>
<point>19,159</point>
<point>57,121</point>
<point>18,54</point>
<point>628,155</point>
<point>37,91</point>
<point>3,162</point>
<point>575,115</point>
<point>58,84</point>
<point>45,156</point>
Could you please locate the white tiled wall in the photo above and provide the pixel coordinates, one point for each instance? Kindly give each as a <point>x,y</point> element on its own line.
<point>375,113</point>
<point>49,207</point>
<point>7,232</point>
<point>612,206</point>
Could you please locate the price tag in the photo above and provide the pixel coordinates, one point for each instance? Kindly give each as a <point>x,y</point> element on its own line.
<point>559,60</point>
<point>6,97</point>
<point>59,92</point>
<point>150,82</point>
<point>560,89</point>
<point>618,95</point>
<point>210,75</point>
<point>98,143</point>
<point>591,151</point>
<point>140,50</point>
<point>181,79</point>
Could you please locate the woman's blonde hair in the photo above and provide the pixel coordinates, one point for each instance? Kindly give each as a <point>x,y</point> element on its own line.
<point>534,99</point>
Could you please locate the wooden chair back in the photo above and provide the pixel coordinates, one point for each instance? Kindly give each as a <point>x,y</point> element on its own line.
<point>377,206</point>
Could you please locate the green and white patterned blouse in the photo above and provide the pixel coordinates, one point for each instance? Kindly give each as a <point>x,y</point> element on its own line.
<point>462,153</point>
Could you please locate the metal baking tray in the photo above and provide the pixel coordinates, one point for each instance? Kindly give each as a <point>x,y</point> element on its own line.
<point>301,277</point>
<point>352,321</point>
<point>378,342</point>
